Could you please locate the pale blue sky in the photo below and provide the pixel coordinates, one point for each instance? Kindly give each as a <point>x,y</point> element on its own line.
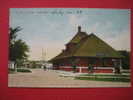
<point>52,28</point>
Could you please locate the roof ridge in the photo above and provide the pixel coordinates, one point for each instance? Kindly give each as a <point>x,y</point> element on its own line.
<point>78,35</point>
<point>103,43</point>
<point>78,45</point>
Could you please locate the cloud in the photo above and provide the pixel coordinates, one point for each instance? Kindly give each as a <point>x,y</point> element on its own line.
<point>121,41</point>
<point>100,27</point>
<point>75,20</point>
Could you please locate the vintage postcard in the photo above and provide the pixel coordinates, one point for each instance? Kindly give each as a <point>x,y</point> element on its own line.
<point>69,48</point>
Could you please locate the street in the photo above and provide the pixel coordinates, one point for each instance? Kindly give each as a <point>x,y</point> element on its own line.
<point>52,78</point>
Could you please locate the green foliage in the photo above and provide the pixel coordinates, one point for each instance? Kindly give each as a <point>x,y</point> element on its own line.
<point>24,70</point>
<point>90,68</point>
<point>10,71</point>
<point>74,63</point>
<point>106,75</point>
<point>126,59</point>
<point>104,79</point>
<point>18,48</point>
<point>74,68</point>
<point>13,34</point>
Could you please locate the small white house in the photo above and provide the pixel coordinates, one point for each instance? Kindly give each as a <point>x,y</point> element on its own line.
<point>11,65</point>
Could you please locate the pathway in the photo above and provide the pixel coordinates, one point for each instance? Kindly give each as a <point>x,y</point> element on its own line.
<point>51,78</point>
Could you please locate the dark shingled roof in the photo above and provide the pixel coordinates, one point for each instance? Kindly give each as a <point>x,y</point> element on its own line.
<point>88,46</point>
<point>78,37</point>
<point>92,46</point>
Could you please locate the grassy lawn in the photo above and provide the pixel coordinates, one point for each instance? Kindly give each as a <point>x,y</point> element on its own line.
<point>24,70</point>
<point>104,77</point>
<point>11,71</point>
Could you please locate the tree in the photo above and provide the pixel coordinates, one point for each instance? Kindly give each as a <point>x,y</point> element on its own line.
<point>126,59</point>
<point>13,34</point>
<point>90,68</point>
<point>18,48</point>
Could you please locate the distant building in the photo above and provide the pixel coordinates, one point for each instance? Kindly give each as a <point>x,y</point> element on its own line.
<point>11,65</point>
<point>87,50</point>
<point>37,64</point>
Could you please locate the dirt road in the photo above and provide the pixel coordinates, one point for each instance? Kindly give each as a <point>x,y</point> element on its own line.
<point>51,78</point>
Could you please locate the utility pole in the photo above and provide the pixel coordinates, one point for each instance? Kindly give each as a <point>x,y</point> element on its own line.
<point>43,57</point>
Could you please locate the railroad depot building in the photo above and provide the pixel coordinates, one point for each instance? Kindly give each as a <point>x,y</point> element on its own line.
<point>85,50</point>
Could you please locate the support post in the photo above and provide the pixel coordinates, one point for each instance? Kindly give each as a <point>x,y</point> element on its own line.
<point>120,64</point>
<point>80,69</point>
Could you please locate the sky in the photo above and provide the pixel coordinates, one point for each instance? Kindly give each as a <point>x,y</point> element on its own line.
<point>47,30</point>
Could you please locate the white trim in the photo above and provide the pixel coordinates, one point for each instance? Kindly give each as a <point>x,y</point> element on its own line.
<point>103,68</point>
<point>80,69</point>
<point>87,67</point>
<point>65,67</point>
<point>120,64</point>
<point>11,64</point>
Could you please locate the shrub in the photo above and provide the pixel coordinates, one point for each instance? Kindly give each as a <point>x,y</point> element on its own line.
<point>10,71</point>
<point>24,70</point>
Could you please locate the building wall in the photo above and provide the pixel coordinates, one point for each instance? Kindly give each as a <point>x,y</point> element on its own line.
<point>85,69</point>
<point>84,62</point>
<point>106,65</point>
